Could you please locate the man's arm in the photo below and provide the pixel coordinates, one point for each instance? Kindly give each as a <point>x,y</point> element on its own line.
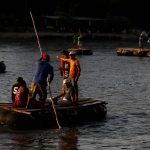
<point>65,59</point>
<point>50,78</point>
<point>60,95</point>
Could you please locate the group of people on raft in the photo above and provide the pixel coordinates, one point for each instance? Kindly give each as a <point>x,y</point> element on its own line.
<point>43,76</point>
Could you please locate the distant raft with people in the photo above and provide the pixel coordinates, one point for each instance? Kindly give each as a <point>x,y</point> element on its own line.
<point>78,46</point>
<point>141,52</point>
<point>81,50</point>
<point>87,110</point>
<point>2,67</point>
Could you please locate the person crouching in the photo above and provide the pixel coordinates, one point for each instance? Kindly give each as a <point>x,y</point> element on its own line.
<point>67,95</point>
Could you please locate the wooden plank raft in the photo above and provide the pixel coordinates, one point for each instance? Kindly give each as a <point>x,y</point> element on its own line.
<point>82,101</point>
<point>142,52</point>
<point>81,50</point>
<point>11,109</point>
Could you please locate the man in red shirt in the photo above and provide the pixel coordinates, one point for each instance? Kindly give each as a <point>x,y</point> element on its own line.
<point>15,88</point>
<point>21,96</point>
<point>64,65</point>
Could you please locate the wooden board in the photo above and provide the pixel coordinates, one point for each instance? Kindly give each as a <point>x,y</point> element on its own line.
<point>22,111</point>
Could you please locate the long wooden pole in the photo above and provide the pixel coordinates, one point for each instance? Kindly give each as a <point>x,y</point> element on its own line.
<point>54,109</point>
<point>36,32</point>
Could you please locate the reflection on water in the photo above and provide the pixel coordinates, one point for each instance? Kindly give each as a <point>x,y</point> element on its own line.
<point>69,139</point>
<point>120,80</point>
<point>62,139</point>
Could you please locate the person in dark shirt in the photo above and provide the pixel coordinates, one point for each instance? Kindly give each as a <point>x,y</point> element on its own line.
<point>143,38</point>
<point>76,40</point>
<point>44,73</point>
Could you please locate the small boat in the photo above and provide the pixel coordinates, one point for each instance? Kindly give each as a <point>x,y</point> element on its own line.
<point>86,110</point>
<point>78,46</point>
<point>81,50</point>
<point>142,52</point>
<point>2,67</point>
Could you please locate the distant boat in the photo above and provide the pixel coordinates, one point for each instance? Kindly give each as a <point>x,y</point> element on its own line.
<point>78,46</point>
<point>142,52</point>
<point>2,67</point>
<point>81,50</point>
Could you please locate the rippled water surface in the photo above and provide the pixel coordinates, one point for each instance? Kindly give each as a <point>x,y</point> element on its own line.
<point>122,81</point>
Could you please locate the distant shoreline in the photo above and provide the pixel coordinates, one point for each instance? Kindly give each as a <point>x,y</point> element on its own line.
<point>107,36</point>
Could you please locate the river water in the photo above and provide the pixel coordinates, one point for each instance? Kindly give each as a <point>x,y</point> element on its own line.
<point>122,81</point>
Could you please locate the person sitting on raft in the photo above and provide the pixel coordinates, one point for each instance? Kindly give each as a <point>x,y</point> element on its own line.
<point>21,96</point>
<point>67,94</point>
<point>15,88</point>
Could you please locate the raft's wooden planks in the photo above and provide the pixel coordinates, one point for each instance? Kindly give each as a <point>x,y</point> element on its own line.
<point>81,102</point>
<point>15,110</point>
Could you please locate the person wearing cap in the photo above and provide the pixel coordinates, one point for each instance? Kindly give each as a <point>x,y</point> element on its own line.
<point>67,94</point>
<point>64,65</point>
<point>74,72</point>
<point>21,96</point>
<point>44,73</point>
<point>15,88</point>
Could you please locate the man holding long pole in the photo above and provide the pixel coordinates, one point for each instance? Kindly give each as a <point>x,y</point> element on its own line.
<point>44,73</point>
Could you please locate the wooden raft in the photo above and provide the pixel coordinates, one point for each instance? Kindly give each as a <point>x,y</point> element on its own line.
<point>81,50</point>
<point>143,52</point>
<point>87,109</point>
<point>82,102</point>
